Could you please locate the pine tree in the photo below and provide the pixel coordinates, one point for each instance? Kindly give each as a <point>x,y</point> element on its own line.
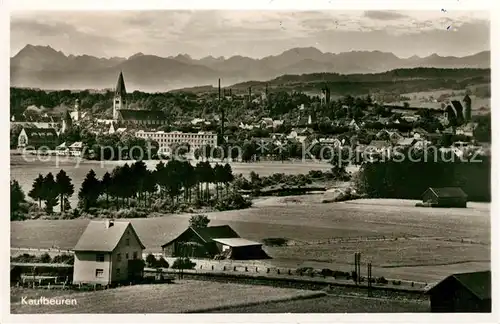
<point>172,178</point>
<point>115,188</point>
<point>127,182</point>
<point>150,184</point>
<point>106,186</point>
<point>138,172</point>
<point>160,179</point>
<point>228,176</point>
<point>90,191</point>
<point>188,179</point>
<point>36,190</point>
<point>218,177</point>
<point>50,193</point>
<point>16,195</point>
<point>64,188</point>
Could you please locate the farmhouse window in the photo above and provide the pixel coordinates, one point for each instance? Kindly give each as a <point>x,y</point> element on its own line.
<point>99,273</point>
<point>127,242</point>
<point>117,271</point>
<point>126,255</point>
<point>119,257</point>
<point>99,257</point>
<point>135,255</point>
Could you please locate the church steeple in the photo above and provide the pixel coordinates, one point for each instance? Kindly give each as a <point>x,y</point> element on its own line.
<point>119,101</point>
<point>67,122</point>
<point>120,86</point>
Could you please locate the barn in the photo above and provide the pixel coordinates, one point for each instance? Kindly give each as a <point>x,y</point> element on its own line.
<point>220,242</point>
<point>445,197</point>
<point>462,293</point>
<point>15,273</point>
<point>239,249</point>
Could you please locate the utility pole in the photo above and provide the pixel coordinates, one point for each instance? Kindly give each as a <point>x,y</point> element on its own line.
<point>357,267</point>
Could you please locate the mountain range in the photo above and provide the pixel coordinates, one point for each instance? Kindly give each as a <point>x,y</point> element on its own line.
<point>46,68</point>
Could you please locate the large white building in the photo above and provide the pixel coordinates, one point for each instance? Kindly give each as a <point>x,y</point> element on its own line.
<point>166,139</point>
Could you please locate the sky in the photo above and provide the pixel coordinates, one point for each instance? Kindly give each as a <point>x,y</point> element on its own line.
<point>251,33</point>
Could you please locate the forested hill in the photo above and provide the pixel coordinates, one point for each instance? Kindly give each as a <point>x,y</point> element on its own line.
<point>393,75</point>
<point>199,100</point>
<point>395,81</point>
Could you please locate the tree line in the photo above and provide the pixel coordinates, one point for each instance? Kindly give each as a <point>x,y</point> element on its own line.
<point>52,191</point>
<point>409,179</point>
<point>174,180</point>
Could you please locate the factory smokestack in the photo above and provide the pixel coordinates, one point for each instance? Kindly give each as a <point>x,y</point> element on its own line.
<point>223,117</point>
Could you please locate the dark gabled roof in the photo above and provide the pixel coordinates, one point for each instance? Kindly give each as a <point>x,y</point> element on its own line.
<point>56,118</point>
<point>406,141</point>
<point>211,232</point>
<point>129,114</point>
<point>421,131</point>
<point>478,283</point>
<point>448,192</point>
<point>379,144</point>
<point>99,237</point>
<point>207,234</point>
<point>40,132</point>
<point>467,98</point>
<point>458,108</point>
<point>120,86</point>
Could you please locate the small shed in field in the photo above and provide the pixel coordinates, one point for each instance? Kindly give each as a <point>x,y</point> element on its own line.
<point>213,241</point>
<point>462,293</point>
<point>445,197</point>
<point>240,249</point>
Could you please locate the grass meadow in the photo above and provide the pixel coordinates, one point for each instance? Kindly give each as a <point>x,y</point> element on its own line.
<point>477,102</point>
<point>336,304</point>
<point>401,241</point>
<point>165,298</point>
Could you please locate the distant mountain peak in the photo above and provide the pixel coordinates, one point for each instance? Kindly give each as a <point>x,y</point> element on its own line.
<point>32,67</point>
<point>185,56</point>
<point>303,50</point>
<point>136,55</point>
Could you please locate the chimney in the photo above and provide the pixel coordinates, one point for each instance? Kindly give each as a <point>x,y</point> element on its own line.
<point>219,90</point>
<point>109,223</point>
<point>221,110</point>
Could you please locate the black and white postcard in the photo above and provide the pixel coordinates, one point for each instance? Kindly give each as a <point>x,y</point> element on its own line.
<point>244,160</point>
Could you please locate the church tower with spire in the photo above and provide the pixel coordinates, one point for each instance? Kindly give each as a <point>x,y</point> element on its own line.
<point>119,101</point>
